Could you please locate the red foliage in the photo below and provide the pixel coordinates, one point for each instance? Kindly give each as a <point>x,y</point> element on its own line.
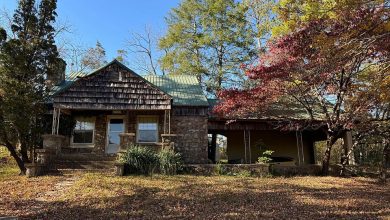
<point>319,60</point>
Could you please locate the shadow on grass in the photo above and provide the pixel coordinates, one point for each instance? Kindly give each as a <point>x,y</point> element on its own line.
<point>209,198</point>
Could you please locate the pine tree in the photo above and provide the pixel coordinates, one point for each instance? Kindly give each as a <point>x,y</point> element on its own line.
<point>26,62</point>
<point>211,39</point>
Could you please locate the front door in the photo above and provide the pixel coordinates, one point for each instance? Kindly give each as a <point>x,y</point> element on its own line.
<point>115,127</point>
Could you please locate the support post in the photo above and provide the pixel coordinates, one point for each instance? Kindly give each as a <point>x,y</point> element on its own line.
<point>213,148</point>
<point>169,121</point>
<point>165,121</point>
<point>298,135</point>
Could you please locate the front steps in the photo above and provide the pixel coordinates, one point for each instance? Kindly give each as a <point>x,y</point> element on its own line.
<point>84,162</point>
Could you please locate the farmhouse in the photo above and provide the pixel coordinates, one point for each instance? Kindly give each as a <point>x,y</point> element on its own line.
<point>113,107</point>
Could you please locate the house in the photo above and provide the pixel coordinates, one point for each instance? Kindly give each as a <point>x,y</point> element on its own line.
<point>113,107</point>
<point>114,102</point>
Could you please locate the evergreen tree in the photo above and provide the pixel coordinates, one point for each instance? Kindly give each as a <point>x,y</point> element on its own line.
<point>211,39</point>
<point>26,62</point>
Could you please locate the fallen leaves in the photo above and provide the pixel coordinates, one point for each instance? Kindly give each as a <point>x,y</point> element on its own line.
<point>102,196</point>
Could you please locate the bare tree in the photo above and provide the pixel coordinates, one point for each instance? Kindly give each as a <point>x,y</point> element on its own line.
<point>144,46</point>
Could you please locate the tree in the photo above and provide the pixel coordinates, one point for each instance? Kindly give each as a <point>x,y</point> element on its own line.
<point>208,38</point>
<point>144,46</point>
<point>26,63</point>
<point>261,14</point>
<point>121,56</point>
<point>94,58</point>
<point>318,66</point>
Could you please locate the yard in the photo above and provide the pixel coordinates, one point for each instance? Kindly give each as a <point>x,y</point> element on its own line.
<point>102,196</point>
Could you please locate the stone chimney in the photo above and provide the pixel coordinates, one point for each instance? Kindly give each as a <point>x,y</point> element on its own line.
<point>56,74</point>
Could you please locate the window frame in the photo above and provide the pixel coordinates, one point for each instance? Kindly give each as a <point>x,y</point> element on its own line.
<point>84,145</point>
<point>156,117</point>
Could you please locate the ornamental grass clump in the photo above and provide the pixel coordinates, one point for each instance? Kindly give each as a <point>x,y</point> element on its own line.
<point>170,162</point>
<point>145,161</point>
<point>140,160</point>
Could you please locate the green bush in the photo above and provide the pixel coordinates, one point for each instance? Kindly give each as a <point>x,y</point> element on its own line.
<point>266,157</point>
<point>140,160</point>
<point>143,160</point>
<point>170,162</point>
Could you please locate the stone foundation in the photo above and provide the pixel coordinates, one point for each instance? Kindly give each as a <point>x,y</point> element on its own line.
<point>257,170</point>
<point>302,170</point>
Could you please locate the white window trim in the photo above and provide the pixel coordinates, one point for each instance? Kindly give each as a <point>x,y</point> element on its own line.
<point>157,131</point>
<point>85,145</point>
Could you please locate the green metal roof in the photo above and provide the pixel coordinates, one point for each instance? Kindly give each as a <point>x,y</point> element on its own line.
<point>184,89</point>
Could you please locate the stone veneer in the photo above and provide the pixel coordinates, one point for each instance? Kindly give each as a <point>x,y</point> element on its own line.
<point>190,134</point>
<point>192,141</point>
<point>100,134</point>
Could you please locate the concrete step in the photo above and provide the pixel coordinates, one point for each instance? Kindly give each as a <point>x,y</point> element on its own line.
<point>84,165</point>
<point>86,157</point>
<point>72,171</point>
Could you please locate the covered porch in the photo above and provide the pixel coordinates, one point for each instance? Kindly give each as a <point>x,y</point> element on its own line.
<point>107,132</point>
<point>246,140</point>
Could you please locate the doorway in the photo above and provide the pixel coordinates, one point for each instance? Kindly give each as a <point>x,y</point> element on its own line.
<point>115,126</point>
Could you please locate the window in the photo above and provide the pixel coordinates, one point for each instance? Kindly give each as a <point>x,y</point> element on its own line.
<point>147,129</point>
<point>84,130</point>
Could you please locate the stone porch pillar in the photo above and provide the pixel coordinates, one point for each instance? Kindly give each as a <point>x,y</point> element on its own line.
<point>126,140</point>
<point>169,141</point>
<point>53,142</point>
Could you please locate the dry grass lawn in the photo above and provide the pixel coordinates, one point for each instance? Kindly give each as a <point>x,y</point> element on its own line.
<point>102,196</point>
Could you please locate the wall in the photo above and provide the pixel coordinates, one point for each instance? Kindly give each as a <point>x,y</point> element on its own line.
<point>192,141</point>
<point>191,130</point>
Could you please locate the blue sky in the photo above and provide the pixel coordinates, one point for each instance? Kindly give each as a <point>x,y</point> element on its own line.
<point>109,21</point>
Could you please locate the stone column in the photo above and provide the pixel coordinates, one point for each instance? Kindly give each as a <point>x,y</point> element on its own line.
<point>126,140</point>
<point>169,141</point>
<point>53,142</point>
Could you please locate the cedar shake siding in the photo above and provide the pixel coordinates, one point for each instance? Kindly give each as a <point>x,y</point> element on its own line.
<point>113,87</point>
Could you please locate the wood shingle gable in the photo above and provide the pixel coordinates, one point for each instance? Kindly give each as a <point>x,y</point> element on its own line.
<point>112,87</point>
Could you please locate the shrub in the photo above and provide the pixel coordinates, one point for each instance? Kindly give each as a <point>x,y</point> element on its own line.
<point>266,157</point>
<point>220,169</point>
<point>140,160</point>
<point>170,162</point>
<point>143,160</point>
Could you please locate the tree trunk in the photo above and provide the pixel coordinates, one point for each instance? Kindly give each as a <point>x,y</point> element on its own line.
<point>385,161</point>
<point>325,161</point>
<point>24,153</point>
<point>18,160</point>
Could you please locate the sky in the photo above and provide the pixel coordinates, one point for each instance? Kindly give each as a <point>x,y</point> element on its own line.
<point>109,21</point>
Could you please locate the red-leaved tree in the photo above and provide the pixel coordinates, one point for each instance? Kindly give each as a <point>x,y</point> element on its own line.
<point>319,66</point>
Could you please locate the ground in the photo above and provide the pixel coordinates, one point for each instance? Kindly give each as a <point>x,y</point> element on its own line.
<point>103,196</point>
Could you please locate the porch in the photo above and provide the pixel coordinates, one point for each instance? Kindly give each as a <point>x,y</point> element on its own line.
<point>107,132</point>
<point>246,140</point>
